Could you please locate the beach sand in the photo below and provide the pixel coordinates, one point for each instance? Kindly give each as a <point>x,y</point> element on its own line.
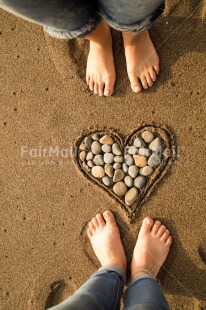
<point>46,203</point>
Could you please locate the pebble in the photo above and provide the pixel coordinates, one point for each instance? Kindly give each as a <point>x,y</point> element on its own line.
<point>120,188</point>
<point>154,160</point>
<point>98,160</point>
<point>106,148</point>
<point>118,175</point>
<point>108,158</point>
<point>148,136</point>
<point>157,145</point>
<point>118,159</point>
<point>88,141</point>
<point>82,155</point>
<point>133,150</point>
<point>86,167</point>
<point>106,140</point>
<point>90,163</point>
<point>139,182</point>
<point>107,181</point>
<point>95,137</point>
<point>147,170</point>
<point>133,171</point>
<point>145,152</point>
<point>140,161</point>
<point>90,156</point>
<point>129,160</point>
<point>139,142</point>
<point>131,196</point>
<point>82,147</point>
<point>117,166</point>
<point>125,167</point>
<point>96,147</point>
<point>116,149</point>
<point>109,170</point>
<point>128,181</point>
<point>98,172</point>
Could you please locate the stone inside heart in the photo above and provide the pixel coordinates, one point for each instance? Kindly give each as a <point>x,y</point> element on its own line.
<point>128,170</point>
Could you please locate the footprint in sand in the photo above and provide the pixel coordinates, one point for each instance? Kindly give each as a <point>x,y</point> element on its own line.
<point>69,58</point>
<point>48,292</point>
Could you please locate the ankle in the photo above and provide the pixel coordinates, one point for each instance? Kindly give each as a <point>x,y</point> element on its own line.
<point>142,271</point>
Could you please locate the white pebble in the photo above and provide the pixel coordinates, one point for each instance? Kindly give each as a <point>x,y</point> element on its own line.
<point>106,148</point>
<point>147,170</point>
<point>117,166</point>
<point>108,158</point>
<point>133,171</point>
<point>133,150</point>
<point>98,160</point>
<point>139,142</point>
<point>145,152</point>
<point>98,172</point>
<point>139,182</point>
<point>128,181</point>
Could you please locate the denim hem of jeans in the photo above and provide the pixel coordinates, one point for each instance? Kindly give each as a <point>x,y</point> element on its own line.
<point>81,32</point>
<point>139,26</point>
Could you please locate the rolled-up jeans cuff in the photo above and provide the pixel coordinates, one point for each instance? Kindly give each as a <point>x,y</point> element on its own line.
<point>142,277</point>
<point>81,32</point>
<point>116,269</point>
<point>139,26</point>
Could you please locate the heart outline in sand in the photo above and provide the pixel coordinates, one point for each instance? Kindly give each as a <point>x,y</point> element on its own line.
<point>160,171</point>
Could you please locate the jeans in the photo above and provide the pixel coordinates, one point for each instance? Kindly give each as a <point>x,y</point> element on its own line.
<point>67,19</point>
<point>103,291</point>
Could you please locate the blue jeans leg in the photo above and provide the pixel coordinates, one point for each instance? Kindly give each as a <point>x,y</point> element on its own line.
<point>131,16</point>
<point>144,293</point>
<point>61,19</point>
<point>102,291</point>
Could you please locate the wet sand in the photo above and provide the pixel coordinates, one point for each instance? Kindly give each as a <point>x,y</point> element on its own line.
<point>46,203</point>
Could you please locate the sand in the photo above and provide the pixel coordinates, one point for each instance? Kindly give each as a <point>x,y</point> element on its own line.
<point>46,203</point>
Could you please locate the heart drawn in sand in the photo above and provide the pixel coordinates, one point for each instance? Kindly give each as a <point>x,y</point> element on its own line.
<point>127,169</point>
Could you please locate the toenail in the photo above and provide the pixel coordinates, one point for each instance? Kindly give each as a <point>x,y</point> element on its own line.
<point>106,93</point>
<point>136,89</point>
<point>158,222</point>
<point>148,221</point>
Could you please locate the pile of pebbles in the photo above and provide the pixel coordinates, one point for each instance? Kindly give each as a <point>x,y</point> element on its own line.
<point>126,171</point>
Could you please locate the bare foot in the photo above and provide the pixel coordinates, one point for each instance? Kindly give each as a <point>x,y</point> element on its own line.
<point>100,73</point>
<point>142,60</point>
<point>105,239</point>
<point>151,249</point>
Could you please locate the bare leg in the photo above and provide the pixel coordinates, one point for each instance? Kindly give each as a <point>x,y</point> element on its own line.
<point>100,73</point>
<point>142,60</point>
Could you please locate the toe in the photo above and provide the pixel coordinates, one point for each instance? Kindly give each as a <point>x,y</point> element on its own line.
<point>95,222</point>
<point>157,69</point>
<point>101,89</point>
<point>144,82</point>
<point>87,79</point>
<point>109,89</point>
<point>89,233</point>
<point>109,217</point>
<point>146,225</point>
<point>161,231</point>
<point>91,84</point>
<point>135,84</point>
<point>152,74</point>
<point>100,220</point>
<point>149,80</point>
<point>96,88</point>
<point>169,241</point>
<point>92,227</point>
<point>165,235</point>
<point>156,227</point>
